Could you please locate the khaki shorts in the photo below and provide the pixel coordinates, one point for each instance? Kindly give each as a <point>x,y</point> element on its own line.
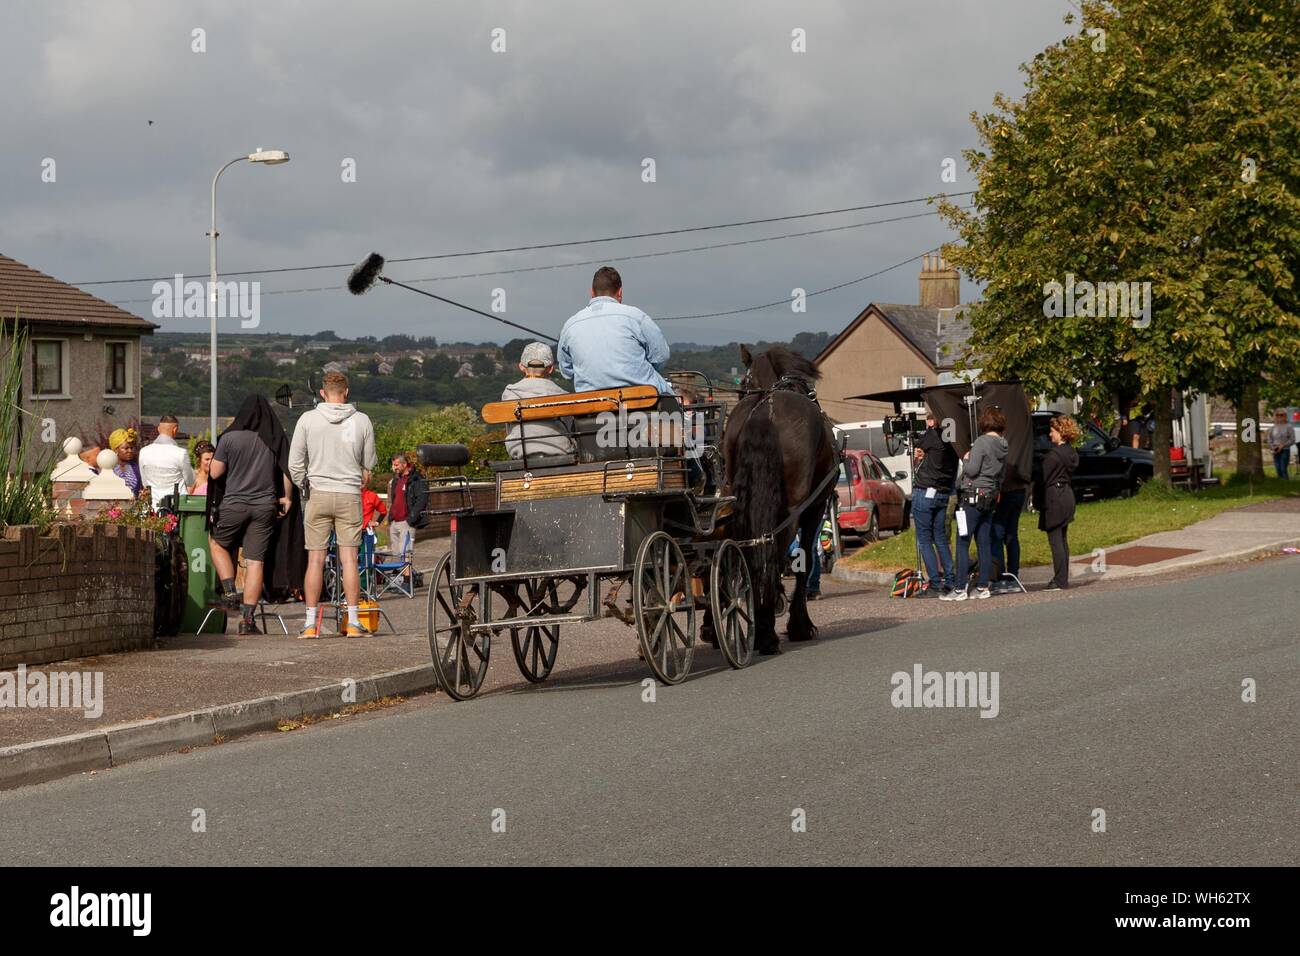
<point>335,511</point>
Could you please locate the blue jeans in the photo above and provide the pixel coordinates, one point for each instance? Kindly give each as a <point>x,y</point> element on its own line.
<point>1281,459</point>
<point>978,526</point>
<point>1006,531</point>
<point>930,515</point>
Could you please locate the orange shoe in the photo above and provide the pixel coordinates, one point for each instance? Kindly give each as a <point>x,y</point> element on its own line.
<point>358,630</point>
<point>308,632</point>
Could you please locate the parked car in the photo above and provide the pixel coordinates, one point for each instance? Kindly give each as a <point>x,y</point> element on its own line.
<point>871,500</point>
<point>1107,469</point>
<point>892,452</point>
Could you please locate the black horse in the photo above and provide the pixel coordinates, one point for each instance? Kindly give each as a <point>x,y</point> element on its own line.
<point>778,448</point>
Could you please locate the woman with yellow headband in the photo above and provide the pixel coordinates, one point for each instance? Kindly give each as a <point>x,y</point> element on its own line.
<point>123,441</point>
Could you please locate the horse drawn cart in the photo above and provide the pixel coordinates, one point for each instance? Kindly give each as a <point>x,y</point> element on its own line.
<point>636,505</point>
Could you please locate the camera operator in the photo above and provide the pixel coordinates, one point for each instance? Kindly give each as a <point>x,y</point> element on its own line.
<point>936,471</point>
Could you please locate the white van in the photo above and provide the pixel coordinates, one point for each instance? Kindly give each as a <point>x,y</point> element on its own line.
<point>892,452</point>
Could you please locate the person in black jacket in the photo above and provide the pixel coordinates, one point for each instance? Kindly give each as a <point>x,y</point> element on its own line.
<point>1054,497</point>
<point>935,476</point>
<point>408,497</point>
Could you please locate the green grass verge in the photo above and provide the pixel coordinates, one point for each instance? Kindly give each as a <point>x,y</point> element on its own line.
<point>1100,524</point>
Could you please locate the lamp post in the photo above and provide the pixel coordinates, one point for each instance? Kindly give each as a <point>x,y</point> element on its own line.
<point>269,157</point>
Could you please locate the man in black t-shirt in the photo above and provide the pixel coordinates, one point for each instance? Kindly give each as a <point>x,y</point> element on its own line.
<point>935,476</point>
<point>257,493</point>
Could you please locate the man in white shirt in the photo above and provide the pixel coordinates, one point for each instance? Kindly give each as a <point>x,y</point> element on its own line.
<point>165,464</point>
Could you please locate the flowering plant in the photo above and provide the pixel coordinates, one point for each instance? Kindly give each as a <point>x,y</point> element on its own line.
<point>138,514</point>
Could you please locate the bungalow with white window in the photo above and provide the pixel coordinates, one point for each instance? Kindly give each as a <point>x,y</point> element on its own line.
<point>83,367</point>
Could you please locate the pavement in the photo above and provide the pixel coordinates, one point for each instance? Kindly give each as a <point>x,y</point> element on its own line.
<point>1237,535</point>
<point>1123,699</point>
<point>199,690</point>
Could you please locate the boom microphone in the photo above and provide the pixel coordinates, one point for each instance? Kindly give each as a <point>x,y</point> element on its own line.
<point>369,270</point>
<point>365,273</point>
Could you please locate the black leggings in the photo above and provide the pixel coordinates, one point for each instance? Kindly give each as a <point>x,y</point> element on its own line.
<point>1058,538</point>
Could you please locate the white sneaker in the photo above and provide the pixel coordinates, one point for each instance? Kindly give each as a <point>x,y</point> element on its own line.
<point>957,594</point>
<point>982,593</point>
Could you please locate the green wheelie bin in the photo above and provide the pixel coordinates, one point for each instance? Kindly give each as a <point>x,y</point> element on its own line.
<point>202,589</point>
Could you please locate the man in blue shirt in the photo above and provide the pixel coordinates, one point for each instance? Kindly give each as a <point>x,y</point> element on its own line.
<point>611,345</point>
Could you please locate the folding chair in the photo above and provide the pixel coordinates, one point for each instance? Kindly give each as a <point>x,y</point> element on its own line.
<point>395,572</point>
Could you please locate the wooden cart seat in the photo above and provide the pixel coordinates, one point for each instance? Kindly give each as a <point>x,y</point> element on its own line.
<point>574,404</point>
<point>534,461</point>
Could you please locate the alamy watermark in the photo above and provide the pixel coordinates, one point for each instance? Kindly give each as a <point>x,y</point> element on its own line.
<point>653,429</point>
<point>923,688</point>
<point>132,911</point>
<point>179,299</point>
<point>1116,300</point>
<point>74,690</point>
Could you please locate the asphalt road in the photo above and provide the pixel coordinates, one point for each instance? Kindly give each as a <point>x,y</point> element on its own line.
<point>1124,700</point>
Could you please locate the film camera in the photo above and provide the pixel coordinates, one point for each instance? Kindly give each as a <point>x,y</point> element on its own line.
<point>900,426</point>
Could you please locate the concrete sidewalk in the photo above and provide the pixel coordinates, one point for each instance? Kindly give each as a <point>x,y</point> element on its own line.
<point>1237,535</point>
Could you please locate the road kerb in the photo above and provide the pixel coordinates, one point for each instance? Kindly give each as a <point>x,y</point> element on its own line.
<point>886,578</point>
<point>43,760</point>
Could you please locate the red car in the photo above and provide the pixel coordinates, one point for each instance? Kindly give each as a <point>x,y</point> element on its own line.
<point>870,499</point>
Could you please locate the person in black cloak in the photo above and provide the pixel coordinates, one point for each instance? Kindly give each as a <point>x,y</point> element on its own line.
<point>286,556</point>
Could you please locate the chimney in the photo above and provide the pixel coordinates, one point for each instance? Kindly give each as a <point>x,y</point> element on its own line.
<point>940,283</point>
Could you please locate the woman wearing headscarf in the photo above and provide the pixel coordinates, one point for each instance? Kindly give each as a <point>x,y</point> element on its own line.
<point>123,441</point>
<point>1054,497</point>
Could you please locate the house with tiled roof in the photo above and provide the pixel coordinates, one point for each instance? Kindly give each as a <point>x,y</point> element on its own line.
<point>83,366</point>
<point>888,347</point>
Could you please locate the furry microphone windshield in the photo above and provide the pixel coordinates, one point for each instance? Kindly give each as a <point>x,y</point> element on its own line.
<point>365,273</point>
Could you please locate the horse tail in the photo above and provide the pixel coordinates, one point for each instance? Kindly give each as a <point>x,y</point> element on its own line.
<point>760,497</point>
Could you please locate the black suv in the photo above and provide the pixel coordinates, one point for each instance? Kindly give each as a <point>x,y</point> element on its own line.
<point>1106,469</point>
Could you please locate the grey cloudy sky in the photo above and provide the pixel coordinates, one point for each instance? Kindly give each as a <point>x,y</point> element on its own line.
<point>460,148</point>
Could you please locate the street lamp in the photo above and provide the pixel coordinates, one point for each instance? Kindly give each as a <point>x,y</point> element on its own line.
<point>268,157</point>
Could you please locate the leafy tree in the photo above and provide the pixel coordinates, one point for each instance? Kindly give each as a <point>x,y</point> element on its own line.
<point>455,424</point>
<point>439,367</point>
<point>1126,161</point>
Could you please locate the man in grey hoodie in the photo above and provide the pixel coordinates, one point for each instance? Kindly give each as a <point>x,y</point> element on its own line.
<point>980,479</point>
<point>330,459</point>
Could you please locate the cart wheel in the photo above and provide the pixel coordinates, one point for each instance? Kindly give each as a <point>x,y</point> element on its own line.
<point>664,608</point>
<point>460,656</point>
<point>731,596</point>
<point>536,645</point>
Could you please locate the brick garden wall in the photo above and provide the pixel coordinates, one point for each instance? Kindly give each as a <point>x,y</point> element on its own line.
<point>76,591</point>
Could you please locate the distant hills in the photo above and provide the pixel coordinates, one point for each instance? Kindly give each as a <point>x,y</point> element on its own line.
<point>396,370</point>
